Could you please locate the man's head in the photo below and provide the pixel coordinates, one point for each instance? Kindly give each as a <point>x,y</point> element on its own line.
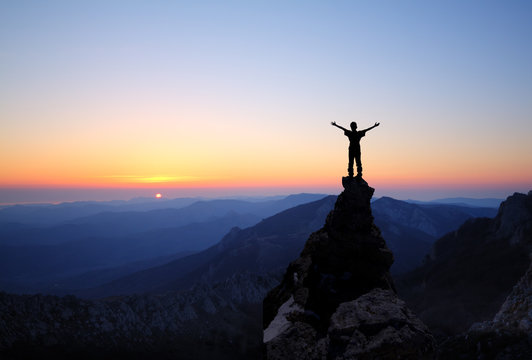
<point>354,126</point>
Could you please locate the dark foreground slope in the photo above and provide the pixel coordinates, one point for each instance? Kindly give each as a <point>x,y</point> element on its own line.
<point>337,300</point>
<point>218,321</point>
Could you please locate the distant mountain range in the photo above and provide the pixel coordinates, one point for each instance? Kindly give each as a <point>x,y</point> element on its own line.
<point>81,211</point>
<point>270,245</point>
<point>261,249</point>
<point>462,201</point>
<point>37,257</point>
<point>91,251</point>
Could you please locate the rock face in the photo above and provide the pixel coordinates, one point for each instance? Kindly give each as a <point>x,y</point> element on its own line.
<point>516,312</point>
<point>507,336</point>
<point>497,253</point>
<point>337,300</point>
<point>472,270</point>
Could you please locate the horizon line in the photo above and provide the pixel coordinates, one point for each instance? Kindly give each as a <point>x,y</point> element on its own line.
<point>58,194</point>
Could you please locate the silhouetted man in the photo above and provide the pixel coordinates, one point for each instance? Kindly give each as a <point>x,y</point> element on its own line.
<point>354,145</point>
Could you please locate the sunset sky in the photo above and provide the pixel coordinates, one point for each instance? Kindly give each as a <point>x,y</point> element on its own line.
<point>236,97</point>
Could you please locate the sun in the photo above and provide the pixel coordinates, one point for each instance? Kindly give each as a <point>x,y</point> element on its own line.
<point>158,195</point>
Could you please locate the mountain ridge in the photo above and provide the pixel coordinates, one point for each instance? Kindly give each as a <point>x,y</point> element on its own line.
<point>189,269</point>
<point>471,271</point>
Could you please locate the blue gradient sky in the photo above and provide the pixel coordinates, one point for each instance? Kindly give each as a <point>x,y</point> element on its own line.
<point>239,94</point>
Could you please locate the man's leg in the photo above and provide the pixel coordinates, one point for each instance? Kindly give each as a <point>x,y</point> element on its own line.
<point>350,165</point>
<point>359,164</point>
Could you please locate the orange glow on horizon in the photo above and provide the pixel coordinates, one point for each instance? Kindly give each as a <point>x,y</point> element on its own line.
<point>246,182</point>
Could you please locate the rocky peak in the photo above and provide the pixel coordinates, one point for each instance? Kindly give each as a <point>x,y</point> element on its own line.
<point>342,277</point>
<point>514,219</point>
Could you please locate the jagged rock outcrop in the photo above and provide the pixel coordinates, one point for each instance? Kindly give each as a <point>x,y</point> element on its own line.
<point>337,300</point>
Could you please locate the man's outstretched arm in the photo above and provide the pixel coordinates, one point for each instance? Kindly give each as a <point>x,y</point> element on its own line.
<point>371,127</point>
<point>338,126</point>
